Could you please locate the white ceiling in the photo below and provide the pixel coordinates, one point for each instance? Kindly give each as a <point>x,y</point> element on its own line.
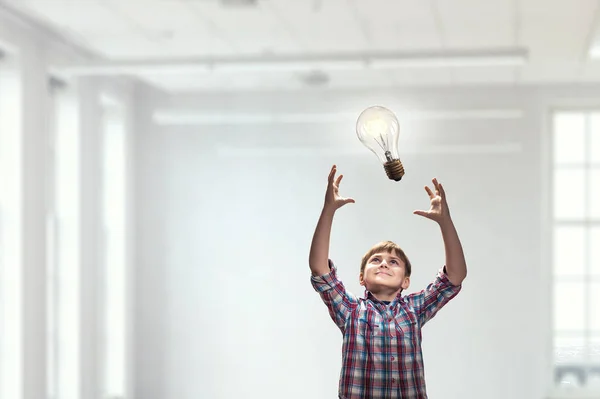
<point>558,35</point>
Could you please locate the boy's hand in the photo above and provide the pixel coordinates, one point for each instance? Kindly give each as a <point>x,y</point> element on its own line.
<point>333,200</point>
<point>438,211</point>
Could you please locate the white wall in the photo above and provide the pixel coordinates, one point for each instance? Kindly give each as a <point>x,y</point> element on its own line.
<point>224,290</point>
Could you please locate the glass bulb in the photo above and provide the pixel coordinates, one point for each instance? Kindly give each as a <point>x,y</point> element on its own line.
<point>378,129</point>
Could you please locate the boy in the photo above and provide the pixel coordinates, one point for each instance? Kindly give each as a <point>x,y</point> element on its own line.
<point>381,350</point>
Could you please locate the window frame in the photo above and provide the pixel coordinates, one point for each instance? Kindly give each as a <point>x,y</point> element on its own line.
<point>549,224</point>
<point>11,361</point>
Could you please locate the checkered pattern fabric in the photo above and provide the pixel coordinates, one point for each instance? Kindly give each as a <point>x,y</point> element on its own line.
<point>381,351</point>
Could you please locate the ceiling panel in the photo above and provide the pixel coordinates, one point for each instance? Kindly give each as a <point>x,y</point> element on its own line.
<point>556,30</point>
<point>250,30</point>
<point>556,33</point>
<point>124,47</point>
<point>158,28</point>
<point>332,26</point>
<point>86,17</point>
<point>182,43</point>
<point>477,23</point>
<point>160,15</point>
<point>399,24</point>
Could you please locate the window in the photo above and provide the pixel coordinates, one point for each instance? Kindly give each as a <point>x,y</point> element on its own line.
<point>10,234</point>
<point>115,239</point>
<point>63,253</point>
<point>576,249</point>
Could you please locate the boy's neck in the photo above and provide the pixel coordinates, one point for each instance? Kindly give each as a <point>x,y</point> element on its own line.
<point>385,297</point>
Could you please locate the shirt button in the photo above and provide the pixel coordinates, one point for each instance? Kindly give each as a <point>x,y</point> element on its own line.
<point>394,380</point>
<point>392,358</point>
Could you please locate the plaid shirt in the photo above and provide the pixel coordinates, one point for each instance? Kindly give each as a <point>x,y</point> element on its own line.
<point>381,350</point>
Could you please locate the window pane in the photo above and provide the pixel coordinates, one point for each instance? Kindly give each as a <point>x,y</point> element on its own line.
<point>595,138</point>
<point>594,378</point>
<point>594,182</point>
<point>594,308</point>
<point>595,251</point>
<point>67,259</point>
<point>569,137</point>
<point>595,349</point>
<point>593,382</point>
<point>570,359</point>
<point>569,350</point>
<point>569,306</point>
<point>569,251</point>
<point>569,193</point>
<point>114,220</point>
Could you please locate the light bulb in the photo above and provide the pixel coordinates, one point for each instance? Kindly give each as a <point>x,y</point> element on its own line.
<point>378,129</point>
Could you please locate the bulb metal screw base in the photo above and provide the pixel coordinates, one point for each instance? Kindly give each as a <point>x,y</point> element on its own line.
<point>394,169</point>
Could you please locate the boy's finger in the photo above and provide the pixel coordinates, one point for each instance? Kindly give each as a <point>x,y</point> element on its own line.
<point>338,180</point>
<point>422,213</point>
<point>331,174</point>
<point>429,192</point>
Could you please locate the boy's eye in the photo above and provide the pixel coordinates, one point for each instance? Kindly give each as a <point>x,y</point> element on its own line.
<point>395,262</point>
<point>375,260</point>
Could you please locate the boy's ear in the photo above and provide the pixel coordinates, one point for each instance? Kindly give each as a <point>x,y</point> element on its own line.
<point>361,279</point>
<point>405,283</point>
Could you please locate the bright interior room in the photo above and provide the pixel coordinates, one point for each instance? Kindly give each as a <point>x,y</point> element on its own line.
<point>172,227</point>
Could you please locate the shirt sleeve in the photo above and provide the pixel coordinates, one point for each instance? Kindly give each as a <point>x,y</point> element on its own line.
<point>429,301</point>
<point>338,300</point>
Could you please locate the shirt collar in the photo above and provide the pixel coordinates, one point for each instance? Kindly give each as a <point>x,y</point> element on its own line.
<point>369,295</point>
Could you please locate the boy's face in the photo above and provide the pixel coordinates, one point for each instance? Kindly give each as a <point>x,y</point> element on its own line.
<point>384,273</point>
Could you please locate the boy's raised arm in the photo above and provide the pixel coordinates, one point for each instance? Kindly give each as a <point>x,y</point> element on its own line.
<point>319,249</point>
<point>456,265</point>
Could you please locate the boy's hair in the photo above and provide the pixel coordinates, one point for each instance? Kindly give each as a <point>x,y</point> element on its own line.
<point>386,246</point>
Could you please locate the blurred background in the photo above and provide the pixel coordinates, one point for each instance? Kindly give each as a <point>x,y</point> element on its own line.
<point>163,164</point>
